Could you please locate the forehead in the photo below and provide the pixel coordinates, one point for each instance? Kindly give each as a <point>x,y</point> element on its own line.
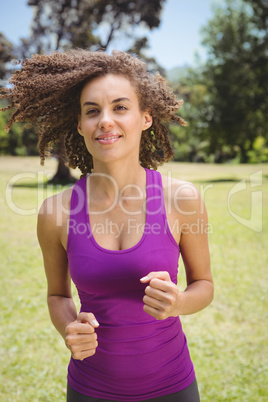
<point>111,86</point>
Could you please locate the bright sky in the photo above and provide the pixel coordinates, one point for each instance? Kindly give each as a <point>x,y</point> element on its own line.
<point>173,44</point>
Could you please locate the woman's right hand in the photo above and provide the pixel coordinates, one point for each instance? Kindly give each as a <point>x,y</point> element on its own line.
<point>80,336</point>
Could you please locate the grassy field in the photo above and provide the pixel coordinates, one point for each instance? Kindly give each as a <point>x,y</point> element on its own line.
<point>228,340</point>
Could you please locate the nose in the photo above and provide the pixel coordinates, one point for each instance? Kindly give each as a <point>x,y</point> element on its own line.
<point>106,121</point>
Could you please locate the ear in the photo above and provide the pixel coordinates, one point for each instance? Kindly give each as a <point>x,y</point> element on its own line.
<point>148,121</point>
<point>79,126</point>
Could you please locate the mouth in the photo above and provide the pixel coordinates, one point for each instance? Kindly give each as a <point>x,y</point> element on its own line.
<point>108,138</point>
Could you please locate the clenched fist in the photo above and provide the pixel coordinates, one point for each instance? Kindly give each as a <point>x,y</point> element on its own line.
<point>80,336</point>
<point>162,297</point>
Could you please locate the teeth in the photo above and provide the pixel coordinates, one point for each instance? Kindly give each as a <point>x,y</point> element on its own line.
<point>107,138</point>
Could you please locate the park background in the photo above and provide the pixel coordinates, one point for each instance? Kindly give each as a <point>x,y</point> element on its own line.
<point>214,54</point>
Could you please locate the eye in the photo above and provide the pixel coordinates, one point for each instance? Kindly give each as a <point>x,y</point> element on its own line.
<point>120,108</point>
<point>92,112</point>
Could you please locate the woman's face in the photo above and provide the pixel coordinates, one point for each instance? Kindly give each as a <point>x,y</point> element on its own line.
<point>111,121</point>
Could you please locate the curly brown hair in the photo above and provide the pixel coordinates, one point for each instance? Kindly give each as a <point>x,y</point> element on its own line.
<point>46,92</point>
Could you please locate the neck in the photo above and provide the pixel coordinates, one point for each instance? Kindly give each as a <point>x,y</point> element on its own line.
<point>111,178</point>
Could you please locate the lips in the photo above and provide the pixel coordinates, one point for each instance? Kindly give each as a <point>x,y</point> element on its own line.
<point>108,138</point>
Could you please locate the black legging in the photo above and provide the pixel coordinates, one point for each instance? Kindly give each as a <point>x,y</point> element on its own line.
<point>189,394</point>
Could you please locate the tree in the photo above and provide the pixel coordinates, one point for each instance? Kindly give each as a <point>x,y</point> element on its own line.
<point>191,143</point>
<point>236,74</point>
<point>6,54</point>
<point>75,23</point>
<point>92,24</point>
<point>260,16</point>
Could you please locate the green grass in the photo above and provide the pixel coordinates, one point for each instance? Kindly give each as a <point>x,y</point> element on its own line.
<point>228,341</point>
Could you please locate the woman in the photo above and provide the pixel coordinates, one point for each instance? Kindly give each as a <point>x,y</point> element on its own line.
<point>119,231</point>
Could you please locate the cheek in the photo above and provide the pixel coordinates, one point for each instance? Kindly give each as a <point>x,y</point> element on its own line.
<point>86,126</point>
<point>89,144</point>
<point>135,124</point>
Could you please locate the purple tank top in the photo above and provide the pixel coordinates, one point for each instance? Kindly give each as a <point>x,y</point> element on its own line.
<point>138,357</point>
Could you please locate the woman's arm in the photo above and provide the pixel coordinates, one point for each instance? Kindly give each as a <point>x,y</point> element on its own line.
<point>196,257</point>
<point>162,298</point>
<point>79,336</point>
<point>59,298</point>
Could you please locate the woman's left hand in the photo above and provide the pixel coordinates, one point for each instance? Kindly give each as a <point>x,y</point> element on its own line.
<point>162,296</point>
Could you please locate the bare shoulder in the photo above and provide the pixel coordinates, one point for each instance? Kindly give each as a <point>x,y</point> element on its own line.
<point>55,206</point>
<point>59,202</point>
<point>177,185</point>
<point>183,197</point>
<point>53,216</point>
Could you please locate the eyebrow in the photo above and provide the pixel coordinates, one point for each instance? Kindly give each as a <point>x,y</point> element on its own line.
<point>114,101</point>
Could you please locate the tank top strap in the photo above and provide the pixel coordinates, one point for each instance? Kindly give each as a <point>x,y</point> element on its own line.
<point>156,210</point>
<point>78,200</point>
<point>155,197</point>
